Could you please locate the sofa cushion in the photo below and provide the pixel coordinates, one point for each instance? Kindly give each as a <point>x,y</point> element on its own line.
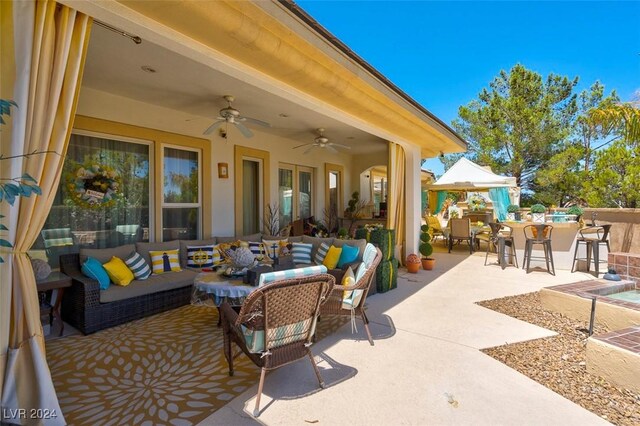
<point>185,243</point>
<point>154,284</point>
<point>361,244</point>
<point>315,241</point>
<point>93,268</point>
<point>144,248</point>
<point>295,239</point>
<point>105,255</point>
<point>252,237</point>
<point>118,271</point>
<point>349,254</point>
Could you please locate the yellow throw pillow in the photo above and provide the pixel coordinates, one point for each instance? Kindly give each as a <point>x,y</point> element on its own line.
<point>165,261</point>
<point>348,279</point>
<point>332,257</point>
<point>118,271</point>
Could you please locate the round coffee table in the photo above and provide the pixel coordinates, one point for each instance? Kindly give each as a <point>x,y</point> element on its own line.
<point>212,289</point>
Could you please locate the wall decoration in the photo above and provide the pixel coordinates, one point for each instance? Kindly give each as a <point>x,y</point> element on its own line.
<point>223,170</point>
<point>93,185</point>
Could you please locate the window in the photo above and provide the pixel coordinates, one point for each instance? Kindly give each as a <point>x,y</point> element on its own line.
<point>103,197</point>
<point>181,200</point>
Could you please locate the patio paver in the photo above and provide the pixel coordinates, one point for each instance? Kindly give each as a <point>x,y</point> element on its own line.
<point>425,367</point>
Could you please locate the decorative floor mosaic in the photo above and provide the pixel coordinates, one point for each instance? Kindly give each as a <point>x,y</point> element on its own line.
<point>165,369</point>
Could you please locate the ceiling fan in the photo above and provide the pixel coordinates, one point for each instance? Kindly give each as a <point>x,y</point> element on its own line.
<point>322,142</point>
<point>230,115</point>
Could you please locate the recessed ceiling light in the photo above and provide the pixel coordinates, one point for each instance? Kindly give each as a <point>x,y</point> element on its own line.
<point>147,68</point>
<point>350,137</point>
<point>283,115</point>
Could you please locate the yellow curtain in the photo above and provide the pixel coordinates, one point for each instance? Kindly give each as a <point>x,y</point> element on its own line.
<point>46,90</point>
<point>396,200</point>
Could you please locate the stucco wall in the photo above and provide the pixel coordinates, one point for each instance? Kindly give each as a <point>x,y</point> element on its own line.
<point>99,104</point>
<point>625,229</point>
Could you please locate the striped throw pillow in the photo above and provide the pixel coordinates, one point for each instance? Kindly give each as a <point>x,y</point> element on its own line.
<point>217,258</point>
<point>257,249</point>
<point>138,266</point>
<point>321,253</point>
<point>165,261</point>
<point>301,253</point>
<point>200,256</point>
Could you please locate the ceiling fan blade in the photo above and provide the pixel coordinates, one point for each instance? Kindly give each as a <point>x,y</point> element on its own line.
<point>300,146</point>
<point>214,126</point>
<point>331,149</point>
<point>339,145</point>
<point>308,150</point>
<point>256,121</point>
<point>243,129</point>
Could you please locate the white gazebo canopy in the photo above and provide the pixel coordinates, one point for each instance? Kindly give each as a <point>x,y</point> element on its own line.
<point>465,175</point>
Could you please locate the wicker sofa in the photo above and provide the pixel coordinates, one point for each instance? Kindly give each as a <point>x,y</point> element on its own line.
<point>89,309</point>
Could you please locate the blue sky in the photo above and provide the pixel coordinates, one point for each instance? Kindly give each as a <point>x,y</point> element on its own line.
<point>443,53</point>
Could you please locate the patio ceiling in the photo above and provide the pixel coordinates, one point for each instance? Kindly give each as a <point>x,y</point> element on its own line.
<point>114,65</point>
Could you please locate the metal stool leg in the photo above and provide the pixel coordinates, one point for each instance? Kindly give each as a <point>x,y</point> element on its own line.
<point>575,256</point>
<point>596,257</point>
<point>553,268</point>
<point>546,256</point>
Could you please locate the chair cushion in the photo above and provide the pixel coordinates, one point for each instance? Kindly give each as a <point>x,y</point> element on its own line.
<point>139,267</point>
<point>321,253</point>
<point>283,335</point>
<point>368,256</point>
<point>356,295</point>
<point>200,256</point>
<point>92,268</point>
<point>270,277</point>
<point>118,271</point>
<point>105,255</point>
<point>349,254</point>
<point>332,257</point>
<point>301,253</point>
<point>348,279</point>
<point>165,261</point>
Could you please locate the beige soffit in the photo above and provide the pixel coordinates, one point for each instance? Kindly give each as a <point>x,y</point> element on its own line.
<point>247,33</point>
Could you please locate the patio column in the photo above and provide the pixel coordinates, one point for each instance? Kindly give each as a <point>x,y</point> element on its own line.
<point>413,199</point>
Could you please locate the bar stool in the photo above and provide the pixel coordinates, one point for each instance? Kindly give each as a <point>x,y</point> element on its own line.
<point>499,242</point>
<point>538,234</point>
<point>592,237</point>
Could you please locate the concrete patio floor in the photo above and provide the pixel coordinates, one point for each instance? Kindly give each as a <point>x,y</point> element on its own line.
<point>425,367</point>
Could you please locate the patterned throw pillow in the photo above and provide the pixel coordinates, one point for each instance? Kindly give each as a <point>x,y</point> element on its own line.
<point>332,257</point>
<point>257,248</point>
<point>165,261</point>
<point>118,271</point>
<point>348,279</point>
<point>217,258</point>
<point>272,247</point>
<point>138,266</point>
<point>301,253</point>
<point>200,256</point>
<point>321,253</point>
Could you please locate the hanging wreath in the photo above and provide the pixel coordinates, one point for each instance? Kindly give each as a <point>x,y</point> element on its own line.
<point>93,185</point>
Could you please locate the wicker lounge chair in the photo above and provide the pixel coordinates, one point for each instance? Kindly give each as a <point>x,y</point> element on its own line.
<point>276,324</point>
<point>336,305</point>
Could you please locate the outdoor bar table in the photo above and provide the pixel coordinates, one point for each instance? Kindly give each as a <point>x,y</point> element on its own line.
<point>564,241</point>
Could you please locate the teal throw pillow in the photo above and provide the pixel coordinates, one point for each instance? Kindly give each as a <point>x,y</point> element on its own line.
<point>92,268</point>
<point>349,254</point>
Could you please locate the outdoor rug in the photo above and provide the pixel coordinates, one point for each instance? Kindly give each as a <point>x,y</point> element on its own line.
<point>164,369</point>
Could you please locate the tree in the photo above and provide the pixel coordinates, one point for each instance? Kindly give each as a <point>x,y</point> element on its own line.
<point>624,116</point>
<point>614,181</point>
<point>517,124</point>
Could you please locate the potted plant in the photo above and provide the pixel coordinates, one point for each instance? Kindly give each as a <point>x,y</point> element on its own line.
<point>537,213</point>
<point>513,212</point>
<point>577,211</point>
<point>426,249</point>
<point>413,263</point>
<point>343,234</point>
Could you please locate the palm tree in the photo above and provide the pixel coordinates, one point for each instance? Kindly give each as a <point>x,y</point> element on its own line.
<point>624,116</point>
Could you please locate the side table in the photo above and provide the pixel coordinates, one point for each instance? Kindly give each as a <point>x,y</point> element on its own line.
<point>56,282</point>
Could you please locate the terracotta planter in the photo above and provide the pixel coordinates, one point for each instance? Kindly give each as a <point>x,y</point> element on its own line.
<point>428,263</point>
<point>413,267</point>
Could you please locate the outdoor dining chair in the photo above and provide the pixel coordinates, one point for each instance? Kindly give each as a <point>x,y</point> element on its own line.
<point>352,303</point>
<point>276,324</point>
<point>460,231</point>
